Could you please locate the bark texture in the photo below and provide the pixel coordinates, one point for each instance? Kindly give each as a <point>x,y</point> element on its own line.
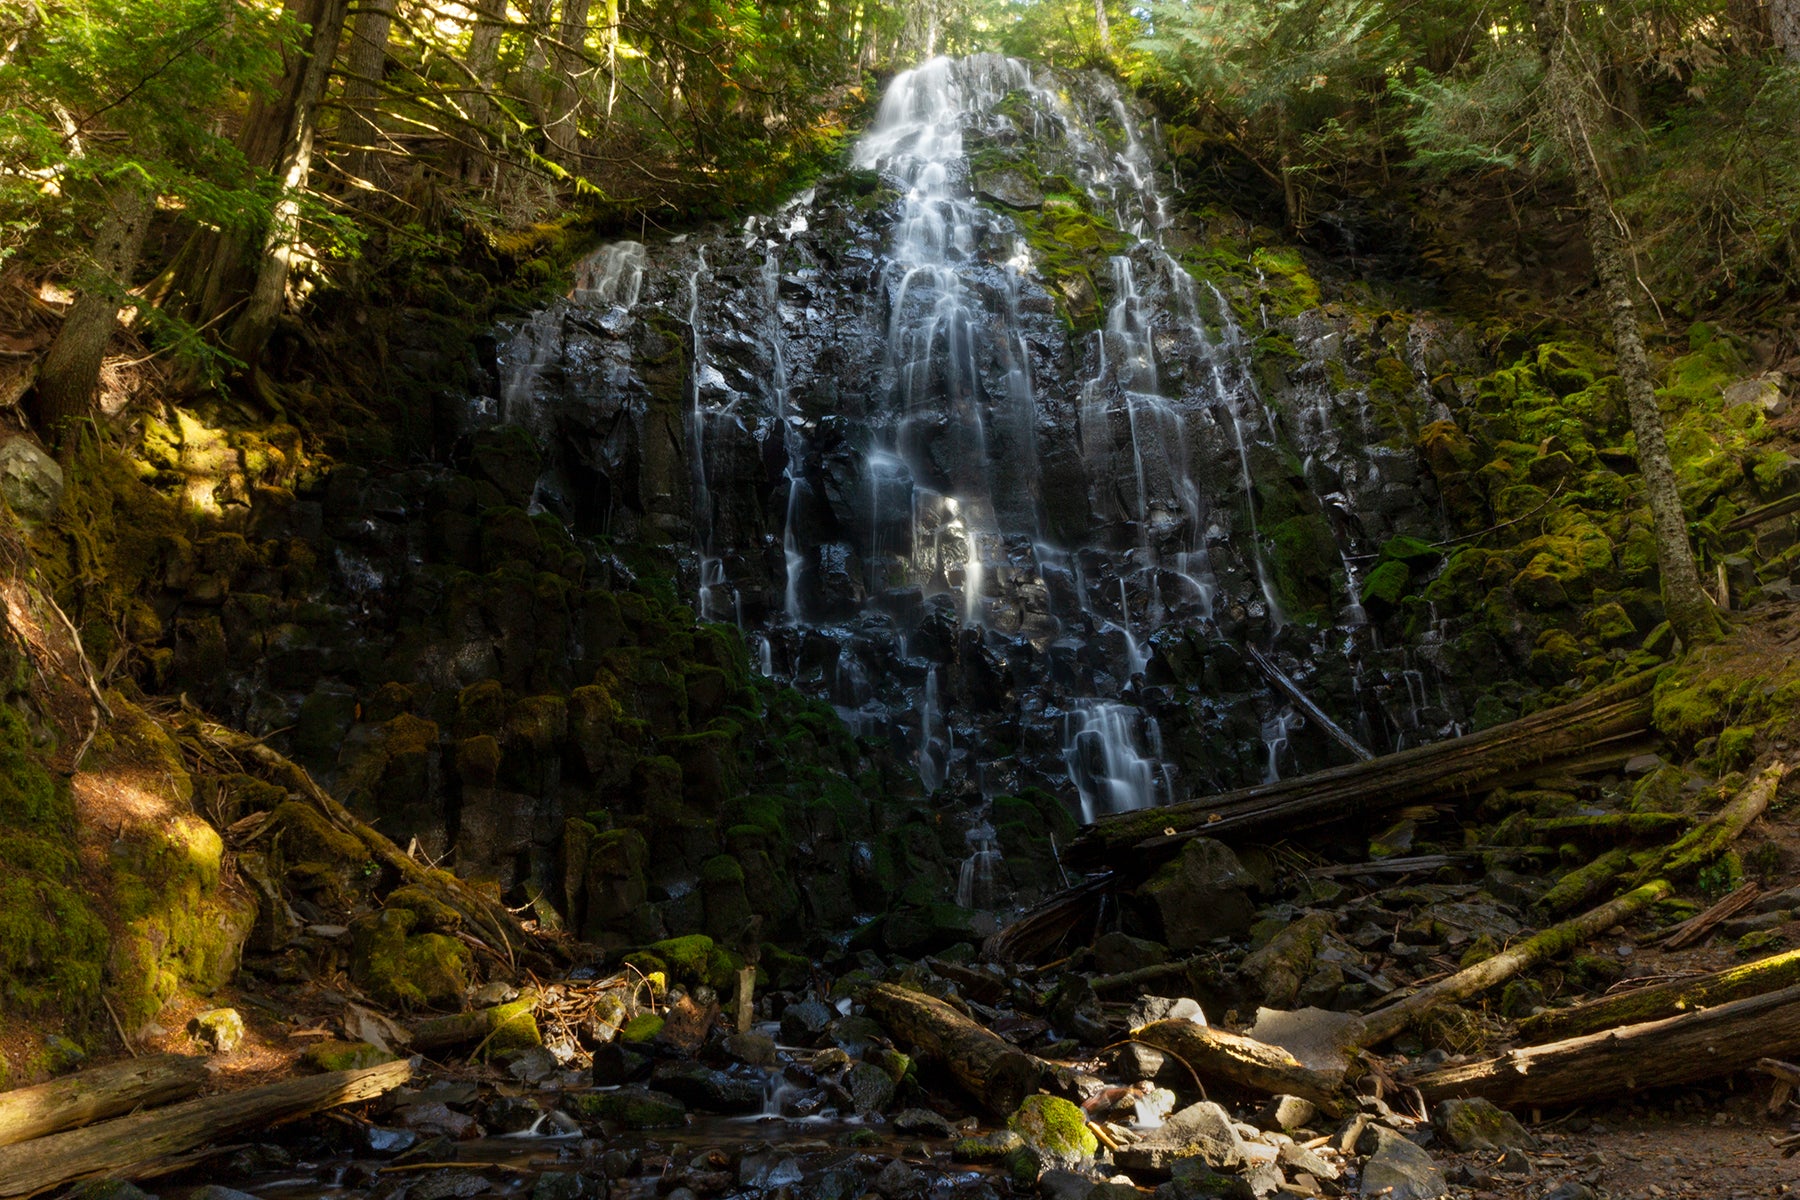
<point>98,1093</point>
<point>990,1069</point>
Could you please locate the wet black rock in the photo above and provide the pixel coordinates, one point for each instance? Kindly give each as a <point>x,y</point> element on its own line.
<point>740,1090</point>
<point>871,1088</point>
<point>923,1121</point>
<point>805,1023</point>
<point>1399,1170</point>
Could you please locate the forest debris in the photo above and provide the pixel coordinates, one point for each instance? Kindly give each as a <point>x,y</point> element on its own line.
<point>115,1147</point>
<point>1695,928</point>
<point>1384,1023</point>
<point>1666,999</point>
<point>1215,1055</point>
<point>990,1069</point>
<point>1680,1049</point>
<point>1143,975</point>
<point>98,1093</point>
<point>512,1022</point>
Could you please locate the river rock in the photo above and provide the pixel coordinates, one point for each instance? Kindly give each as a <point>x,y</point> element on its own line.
<point>218,1029</point>
<point>1202,1131</point>
<point>1476,1124</point>
<point>805,1023</point>
<point>708,1089</point>
<point>1202,895</point>
<point>870,1087</point>
<point>30,481</point>
<point>1400,1170</point>
<point>925,1122</point>
<point>1055,1131</point>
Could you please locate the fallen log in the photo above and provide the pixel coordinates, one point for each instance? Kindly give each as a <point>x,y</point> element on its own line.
<point>1384,1023</point>
<point>1465,766</point>
<point>477,1025</point>
<point>1142,975</point>
<point>1244,1062</point>
<point>1680,1049</point>
<point>115,1147</point>
<point>1285,684</point>
<point>1707,840</point>
<point>98,1093</point>
<point>1772,511</point>
<point>1665,999</point>
<point>1695,928</point>
<point>992,1070</point>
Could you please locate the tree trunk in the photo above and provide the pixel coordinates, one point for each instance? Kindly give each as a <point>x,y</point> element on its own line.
<point>1101,27</point>
<point>363,68</point>
<point>483,62</point>
<point>1573,97</point>
<point>115,1147</point>
<point>71,370</point>
<point>1784,27</point>
<point>992,1070</point>
<point>98,1093</point>
<point>1683,1049</point>
<point>281,242</point>
<point>1215,1055</point>
<point>1665,999</point>
<point>561,129</point>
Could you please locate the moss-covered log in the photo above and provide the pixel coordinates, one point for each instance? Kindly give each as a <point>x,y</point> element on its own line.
<point>98,1093</point>
<point>1665,999</point>
<point>1680,1049</point>
<point>1465,766</point>
<point>502,1027</point>
<point>1384,1023</point>
<point>1217,1056</point>
<point>128,1146</point>
<point>1584,883</point>
<point>1709,839</point>
<point>992,1070</point>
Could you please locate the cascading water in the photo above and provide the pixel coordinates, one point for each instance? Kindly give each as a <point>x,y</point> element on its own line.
<point>1012,512</point>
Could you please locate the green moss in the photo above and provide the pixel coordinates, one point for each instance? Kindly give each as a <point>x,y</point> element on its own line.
<point>642,1028</point>
<point>344,1056</point>
<point>1052,1125</point>
<point>403,968</point>
<point>1385,586</point>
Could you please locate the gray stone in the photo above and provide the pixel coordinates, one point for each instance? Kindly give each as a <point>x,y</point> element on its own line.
<point>1192,1179</point>
<point>1058,1184</point>
<point>870,1087</point>
<point>1202,1131</point>
<point>1400,1170</point>
<point>1203,894</point>
<point>1737,927</point>
<point>30,481</point>
<point>1782,901</point>
<point>1763,391</point>
<point>1298,1158</point>
<point>1115,953</point>
<point>1289,1113</point>
<point>1009,186</point>
<point>1476,1124</point>
<point>756,1049</point>
<point>1161,1008</point>
<point>1642,764</point>
<point>898,1181</point>
<point>924,1122</point>
<point>1136,1061</point>
<point>218,1029</point>
<point>703,1087</point>
<point>563,1185</point>
<point>805,1023</point>
<point>214,1191</point>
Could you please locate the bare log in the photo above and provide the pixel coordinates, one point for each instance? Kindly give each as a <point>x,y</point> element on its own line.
<point>1454,769</point>
<point>1695,928</point>
<point>1680,1049</point>
<point>1244,1062</point>
<point>992,1070</point>
<point>115,1147</point>
<point>1665,999</point>
<point>1384,1023</point>
<point>98,1093</point>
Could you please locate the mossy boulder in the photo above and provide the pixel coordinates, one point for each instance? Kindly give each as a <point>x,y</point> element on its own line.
<point>334,1055</point>
<point>1055,1129</point>
<point>629,1108</point>
<point>397,966</point>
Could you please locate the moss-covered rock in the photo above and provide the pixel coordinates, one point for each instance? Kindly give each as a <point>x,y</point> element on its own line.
<point>1054,1128</point>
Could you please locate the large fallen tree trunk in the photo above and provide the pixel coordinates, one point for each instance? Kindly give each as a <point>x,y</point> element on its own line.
<point>98,1093</point>
<point>992,1070</point>
<point>1709,839</point>
<point>1215,1055</point>
<point>1458,768</point>
<point>1384,1023</point>
<point>115,1147</point>
<point>1666,999</point>
<point>1681,1049</point>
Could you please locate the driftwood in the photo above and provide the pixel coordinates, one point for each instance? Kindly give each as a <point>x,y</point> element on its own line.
<point>115,1147</point>
<point>1786,1076</point>
<point>992,1070</point>
<point>1215,1055</point>
<point>1142,975</point>
<point>1695,928</point>
<point>1680,1049</point>
<point>1454,769</point>
<point>1384,1023</point>
<point>1665,999</point>
<point>1772,511</point>
<point>98,1093</point>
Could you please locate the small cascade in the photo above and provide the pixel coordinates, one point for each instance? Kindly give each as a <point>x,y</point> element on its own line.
<point>1107,761</point>
<point>975,880</point>
<point>1275,732</point>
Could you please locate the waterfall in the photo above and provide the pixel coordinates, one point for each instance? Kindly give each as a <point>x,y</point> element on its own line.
<point>977,491</point>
